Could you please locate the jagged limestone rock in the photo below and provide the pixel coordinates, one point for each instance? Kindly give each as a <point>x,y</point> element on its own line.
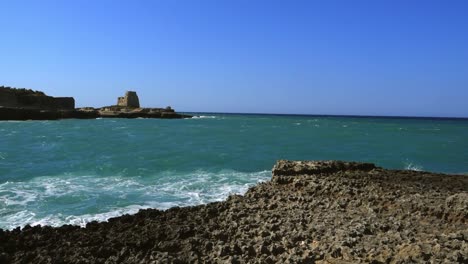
<point>322,212</point>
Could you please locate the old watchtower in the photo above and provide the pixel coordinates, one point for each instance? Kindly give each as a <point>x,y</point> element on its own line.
<point>129,100</point>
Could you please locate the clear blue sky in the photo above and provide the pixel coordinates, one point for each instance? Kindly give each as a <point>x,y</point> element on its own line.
<point>310,57</point>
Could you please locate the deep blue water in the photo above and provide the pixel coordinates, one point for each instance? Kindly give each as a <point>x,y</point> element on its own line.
<point>76,171</point>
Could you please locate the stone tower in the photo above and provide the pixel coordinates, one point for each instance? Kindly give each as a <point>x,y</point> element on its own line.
<point>129,100</point>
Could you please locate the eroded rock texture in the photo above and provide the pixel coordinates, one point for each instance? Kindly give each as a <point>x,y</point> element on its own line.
<point>311,212</point>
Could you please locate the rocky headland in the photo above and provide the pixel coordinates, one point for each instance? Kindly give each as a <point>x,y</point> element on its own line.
<point>26,104</point>
<point>310,212</point>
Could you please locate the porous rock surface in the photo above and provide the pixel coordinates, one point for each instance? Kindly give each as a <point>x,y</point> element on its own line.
<point>310,212</point>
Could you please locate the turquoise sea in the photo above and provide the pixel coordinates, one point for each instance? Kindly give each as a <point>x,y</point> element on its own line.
<point>76,171</point>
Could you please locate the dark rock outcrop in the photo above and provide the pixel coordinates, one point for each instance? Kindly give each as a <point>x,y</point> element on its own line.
<point>338,212</point>
<point>292,168</point>
<point>35,114</point>
<point>29,99</point>
<point>86,113</point>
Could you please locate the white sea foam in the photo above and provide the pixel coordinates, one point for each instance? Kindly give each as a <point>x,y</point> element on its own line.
<point>12,193</point>
<point>413,167</point>
<point>203,117</point>
<point>77,200</point>
<point>24,217</point>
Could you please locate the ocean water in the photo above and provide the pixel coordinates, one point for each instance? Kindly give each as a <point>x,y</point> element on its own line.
<point>77,171</point>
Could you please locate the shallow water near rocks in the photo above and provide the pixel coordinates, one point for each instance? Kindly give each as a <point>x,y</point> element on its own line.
<point>76,171</point>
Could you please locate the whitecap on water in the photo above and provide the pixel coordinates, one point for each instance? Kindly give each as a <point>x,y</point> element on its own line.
<point>202,117</point>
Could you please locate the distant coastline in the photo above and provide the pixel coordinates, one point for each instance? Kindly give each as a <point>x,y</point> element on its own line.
<point>27,104</point>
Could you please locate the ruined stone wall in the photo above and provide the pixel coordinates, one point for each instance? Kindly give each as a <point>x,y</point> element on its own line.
<point>122,101</point>
<point>129,100</point>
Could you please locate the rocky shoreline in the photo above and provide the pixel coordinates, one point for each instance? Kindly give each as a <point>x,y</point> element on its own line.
<point>23,114</point>
<point>310,212</point>
<point>26,104</point>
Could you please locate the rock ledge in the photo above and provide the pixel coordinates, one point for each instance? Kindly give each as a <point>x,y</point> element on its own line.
<point>321,212</point>
<point>292,168</point>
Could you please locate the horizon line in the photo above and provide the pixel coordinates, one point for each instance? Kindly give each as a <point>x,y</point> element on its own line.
<point>331,115</point>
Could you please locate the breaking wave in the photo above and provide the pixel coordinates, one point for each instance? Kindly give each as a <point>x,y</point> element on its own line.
<point>77,200</point>
<point>413,167</point>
